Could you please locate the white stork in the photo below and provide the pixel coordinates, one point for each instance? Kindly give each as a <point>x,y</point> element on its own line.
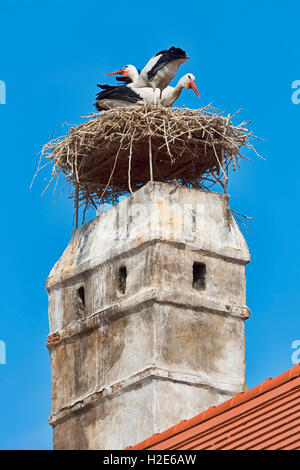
<point>171,94</point>
<point>158,72</point>
<point>126,95</point>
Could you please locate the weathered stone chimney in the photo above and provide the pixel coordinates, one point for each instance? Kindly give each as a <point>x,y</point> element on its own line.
<point>147,307</point>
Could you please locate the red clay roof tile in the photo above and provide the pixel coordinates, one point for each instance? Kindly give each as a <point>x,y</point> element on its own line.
<point>265,417</point>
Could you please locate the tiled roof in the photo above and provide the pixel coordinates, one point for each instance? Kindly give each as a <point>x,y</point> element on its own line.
<point>265,417</point>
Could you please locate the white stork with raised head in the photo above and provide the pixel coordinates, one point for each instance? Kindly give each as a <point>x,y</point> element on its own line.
<point>159,70</point>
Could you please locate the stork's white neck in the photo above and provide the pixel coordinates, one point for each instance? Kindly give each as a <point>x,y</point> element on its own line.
<point>177,90</point>
<point>134,75</point>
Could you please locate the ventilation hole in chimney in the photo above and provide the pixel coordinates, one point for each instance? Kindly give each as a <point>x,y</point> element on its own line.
<point>122,279</point>
<point>199,271</point>
<point>81,296</point>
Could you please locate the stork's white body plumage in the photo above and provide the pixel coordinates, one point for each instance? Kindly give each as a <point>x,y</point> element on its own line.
<point>163,76</point>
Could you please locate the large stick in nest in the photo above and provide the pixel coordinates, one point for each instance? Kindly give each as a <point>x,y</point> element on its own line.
<point>118,151</point>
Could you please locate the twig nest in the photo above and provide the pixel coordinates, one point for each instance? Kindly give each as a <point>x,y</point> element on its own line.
<point>116,152</point>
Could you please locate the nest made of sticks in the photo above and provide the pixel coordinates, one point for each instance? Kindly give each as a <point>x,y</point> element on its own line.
<point>117,151</point>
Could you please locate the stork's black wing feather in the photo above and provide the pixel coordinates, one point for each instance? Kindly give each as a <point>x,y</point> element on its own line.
<point>106,87</point>
<point>172,50</point>
<point>123,93</point>
<point>122,79</point>
<point>167,55</point>
<point>118,93</point>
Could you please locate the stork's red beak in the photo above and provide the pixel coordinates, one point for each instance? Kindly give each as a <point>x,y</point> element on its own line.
<point>193,85</point>
<point>122,71</point>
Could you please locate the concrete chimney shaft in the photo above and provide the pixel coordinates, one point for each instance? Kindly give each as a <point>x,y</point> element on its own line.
<point>146,308</point>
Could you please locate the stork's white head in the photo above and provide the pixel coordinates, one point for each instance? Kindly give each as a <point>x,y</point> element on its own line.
<point>188,81</point>
<point>127,71</point>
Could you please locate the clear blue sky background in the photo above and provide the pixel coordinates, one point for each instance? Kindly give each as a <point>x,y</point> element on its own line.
<point>244,54</point>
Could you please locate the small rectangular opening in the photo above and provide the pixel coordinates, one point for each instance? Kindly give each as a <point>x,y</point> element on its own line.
<point>81,296</point>
<point>122,279</point>
<point>199,272</point>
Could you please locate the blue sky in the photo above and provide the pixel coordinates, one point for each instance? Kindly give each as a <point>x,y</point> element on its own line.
<point>244,55</point>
